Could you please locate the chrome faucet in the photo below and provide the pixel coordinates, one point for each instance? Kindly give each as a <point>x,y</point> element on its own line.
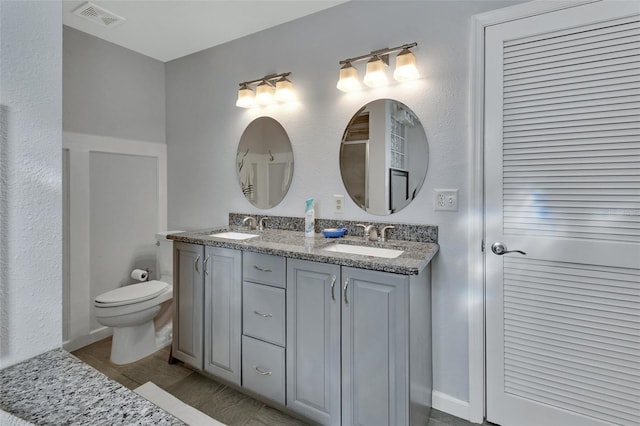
<point>383,233</point>
<point>370,232</point>
<point>251,220</point>
<point>262,221</point>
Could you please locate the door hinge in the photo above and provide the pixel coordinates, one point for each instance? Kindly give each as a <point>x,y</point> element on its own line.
<point>482,246</point>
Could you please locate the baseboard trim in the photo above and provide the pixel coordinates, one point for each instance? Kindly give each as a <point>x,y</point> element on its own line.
<point>82,341</point>
<point>450,405</point>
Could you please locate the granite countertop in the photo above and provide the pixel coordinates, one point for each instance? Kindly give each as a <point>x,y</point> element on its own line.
<point>293,244</point>
<point>56,388</point>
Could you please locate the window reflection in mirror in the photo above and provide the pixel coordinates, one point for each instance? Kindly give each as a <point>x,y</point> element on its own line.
<point>264,162</point>
<point>384,157</point>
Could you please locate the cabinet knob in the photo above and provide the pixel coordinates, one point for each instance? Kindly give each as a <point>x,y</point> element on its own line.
<point>346,286</point>
<point>263,315</point>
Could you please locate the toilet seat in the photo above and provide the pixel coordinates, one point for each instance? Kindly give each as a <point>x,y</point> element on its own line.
<point>134,293</point>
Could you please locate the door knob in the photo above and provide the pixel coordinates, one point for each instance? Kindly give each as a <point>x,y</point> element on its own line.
<point>500,248</point>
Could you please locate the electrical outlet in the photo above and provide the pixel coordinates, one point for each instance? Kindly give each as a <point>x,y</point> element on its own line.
<point>445,199</point>
<point>338,205</point>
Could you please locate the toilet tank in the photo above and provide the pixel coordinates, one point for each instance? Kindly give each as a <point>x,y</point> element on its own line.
<point>164,257</point>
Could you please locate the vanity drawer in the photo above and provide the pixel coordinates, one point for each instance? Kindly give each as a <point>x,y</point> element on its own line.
<point>263,312</point>
<point>264,268</point>
<point>263,369</point>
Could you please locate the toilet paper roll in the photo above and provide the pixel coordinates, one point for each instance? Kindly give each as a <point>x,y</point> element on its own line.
<point>139,274</point>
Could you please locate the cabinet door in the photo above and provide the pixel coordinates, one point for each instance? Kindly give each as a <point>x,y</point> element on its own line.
<point>187,293</point>
<point>313,340</point>
<point>222,294</point>
<point>375,348</point>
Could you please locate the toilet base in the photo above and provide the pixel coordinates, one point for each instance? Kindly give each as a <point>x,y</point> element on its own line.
<point>133,343</point>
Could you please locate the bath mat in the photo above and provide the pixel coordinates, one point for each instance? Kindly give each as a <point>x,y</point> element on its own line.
<point>174,406</point>
<point>8,419</point>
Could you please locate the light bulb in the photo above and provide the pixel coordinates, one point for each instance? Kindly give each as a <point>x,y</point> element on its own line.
<point>264,93</point>
<point>375,76</point>
<point>246,97</point>
<point>284,90</point>
<point>406,66</point>
<point>349,80</point>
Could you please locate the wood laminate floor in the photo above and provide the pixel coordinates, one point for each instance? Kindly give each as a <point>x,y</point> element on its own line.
<point>221,402</point>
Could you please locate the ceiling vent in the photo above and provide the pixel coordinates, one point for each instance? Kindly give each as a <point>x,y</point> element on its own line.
<point>98,15</point>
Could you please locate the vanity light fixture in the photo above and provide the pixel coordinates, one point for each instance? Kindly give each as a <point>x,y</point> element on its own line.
<point>284,90</point>
<point>376,75</point>
<point>406,69</point>
<point>270,88</point>
<point>246,97</point>
<point>349,79</point>
<point>265,93</point>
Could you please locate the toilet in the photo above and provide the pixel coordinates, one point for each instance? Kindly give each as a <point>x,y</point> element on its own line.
<point>131,309</point>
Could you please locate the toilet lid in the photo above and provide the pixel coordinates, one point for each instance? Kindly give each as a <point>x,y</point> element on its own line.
<point>133,293</point>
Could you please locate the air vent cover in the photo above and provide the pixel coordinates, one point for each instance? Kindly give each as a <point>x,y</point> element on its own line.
<point>97,14</point>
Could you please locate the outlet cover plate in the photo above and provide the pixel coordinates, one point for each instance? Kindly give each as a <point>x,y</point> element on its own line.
<point>338,203</point>
<point>445,199</point>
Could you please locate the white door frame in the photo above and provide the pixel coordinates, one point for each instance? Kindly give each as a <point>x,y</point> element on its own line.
<point>476,296</point>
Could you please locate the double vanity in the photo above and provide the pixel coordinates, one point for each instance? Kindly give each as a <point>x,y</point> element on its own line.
<point>336,331</point>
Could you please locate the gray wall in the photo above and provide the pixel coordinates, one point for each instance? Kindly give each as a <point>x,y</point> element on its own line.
<point>30,179</point>
<point>110,90</point>
<point>204,127</point>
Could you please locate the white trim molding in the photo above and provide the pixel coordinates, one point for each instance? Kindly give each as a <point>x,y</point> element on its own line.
<point>78,142</point>
<point>475,410</point>
<point>450,405</point>
<point>78,331</point>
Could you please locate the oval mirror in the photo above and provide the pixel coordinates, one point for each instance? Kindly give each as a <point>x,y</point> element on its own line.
<point>384,157</point>
<point>264,162</point>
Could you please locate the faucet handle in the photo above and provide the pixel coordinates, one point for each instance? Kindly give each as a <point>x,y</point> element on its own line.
<point>262,221</point>
<point>383,233</point>
<point>364,229</point>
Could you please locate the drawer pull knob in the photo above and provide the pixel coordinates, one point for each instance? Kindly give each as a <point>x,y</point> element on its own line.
<point>261,269</point>
<point>262,371</point>
<point>263,315</point>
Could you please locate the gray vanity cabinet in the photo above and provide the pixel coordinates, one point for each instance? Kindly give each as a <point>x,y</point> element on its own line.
<point>263,325</point>
<point>222,312</point>
<point>348,346</point>
<point>375,348</point>
<point>188,285</point>
<point>207,318</point>
<point>313,340</point>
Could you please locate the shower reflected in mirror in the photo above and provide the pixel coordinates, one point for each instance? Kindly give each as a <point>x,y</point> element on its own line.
<point>264,162</point>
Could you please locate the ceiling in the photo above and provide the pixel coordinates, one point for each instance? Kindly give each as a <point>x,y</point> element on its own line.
<point>169,29</point>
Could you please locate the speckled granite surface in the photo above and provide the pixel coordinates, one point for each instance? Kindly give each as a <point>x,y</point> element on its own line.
<point>56,388</point>
<point>402,231</point>
<point>293,244</point>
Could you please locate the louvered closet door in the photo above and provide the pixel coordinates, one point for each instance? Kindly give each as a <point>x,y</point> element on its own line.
<point>562,161</point>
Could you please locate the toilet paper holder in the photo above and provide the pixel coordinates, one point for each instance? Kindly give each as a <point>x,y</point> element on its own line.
<point>141,274</point>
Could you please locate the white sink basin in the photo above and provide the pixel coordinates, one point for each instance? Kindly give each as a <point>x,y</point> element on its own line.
<point>233,235</point>
<point>364,250</point>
